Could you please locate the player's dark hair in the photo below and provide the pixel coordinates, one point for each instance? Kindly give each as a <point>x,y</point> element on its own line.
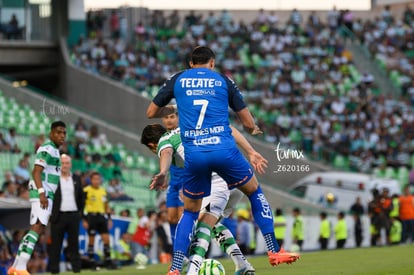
<point>323,215</point>
<point>94,174</point>
<point>202,55</point>
<point>152,134</point>
<point>278,212</point>
<point>297,210</point>
<point>56,124</point>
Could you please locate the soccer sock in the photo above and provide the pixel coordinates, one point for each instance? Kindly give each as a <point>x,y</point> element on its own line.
<point>178,260</point>
<point>263,216</point>
<point>199,247</point>
<point>228,244</point>
<point>107,252</point>
<point>173,227</point>
<point>183,234</point>
<point>91,252</point>
<point>25,250</point>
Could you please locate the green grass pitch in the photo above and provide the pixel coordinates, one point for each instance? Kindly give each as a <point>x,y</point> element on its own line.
<point>367,261</point>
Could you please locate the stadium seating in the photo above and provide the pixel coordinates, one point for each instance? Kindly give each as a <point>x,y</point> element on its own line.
<point>135,168</point>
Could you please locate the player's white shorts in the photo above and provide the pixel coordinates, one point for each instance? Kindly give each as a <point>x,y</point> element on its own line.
<point>38,213</point>
<point>221,201</point>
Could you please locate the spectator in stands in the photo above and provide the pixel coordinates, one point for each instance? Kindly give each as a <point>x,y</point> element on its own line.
<point>173,20</point>
<point>8,176</point>
<point>5,255</point>
<point>15,242</point>
<point>408,16</point>
<point>123,254</point>
<point>125,213</point>
<point>295,18</point>
<point>81,130</point>
<point>163,233</point>
<point>12,28</point>
<point>348,19</point>
<point>333,18</point>
<point>190,19</point>
<point>23,191</point>
<point>4,146</point>
<point>10,189</point>
<point>12,141</point>
<point>142,235</point>
<point>386,14</point>
<point>114,25</point>
<point>96,139</point>
<point>21,172</point>
<point>39,141</point>
<point>116,192</point>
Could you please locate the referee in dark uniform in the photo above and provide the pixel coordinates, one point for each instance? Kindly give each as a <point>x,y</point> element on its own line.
<point>67,211</point>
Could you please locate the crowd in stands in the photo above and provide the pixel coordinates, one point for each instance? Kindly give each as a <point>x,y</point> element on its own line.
<point>298,78</point>
<point>89,153</point>
<point>390,40</point>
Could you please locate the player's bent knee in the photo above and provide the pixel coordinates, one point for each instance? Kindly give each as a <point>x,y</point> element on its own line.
<point>250,187</point>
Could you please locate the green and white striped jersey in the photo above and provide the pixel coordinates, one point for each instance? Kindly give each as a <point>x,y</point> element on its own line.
<point>172,139</point>
<point>48,157</point>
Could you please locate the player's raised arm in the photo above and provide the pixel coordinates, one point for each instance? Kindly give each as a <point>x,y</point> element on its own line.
<point>159,181</point>
<point>154,111</point>
<point>247,120</point>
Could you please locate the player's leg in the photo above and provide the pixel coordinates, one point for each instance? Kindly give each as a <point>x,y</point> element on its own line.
<point>219,203</point>
<point>211,210</point>
<point>227,242</point>
<point>39,218</point>
<point>238,173</point>
<point>92,226</point>
<point>196,185</point>
<point>102,229</point>
<point>174,207</point>
<point>184,232</point>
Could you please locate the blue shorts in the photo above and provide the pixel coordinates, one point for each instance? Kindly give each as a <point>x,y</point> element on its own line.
<point>230,164</point>
<point>175,186</point>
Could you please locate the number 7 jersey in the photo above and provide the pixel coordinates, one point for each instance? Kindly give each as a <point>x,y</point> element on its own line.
<point>203,97</point>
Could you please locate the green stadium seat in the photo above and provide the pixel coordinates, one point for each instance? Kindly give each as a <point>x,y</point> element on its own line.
<point>341,162</point>
<point>79,165</point>
<point>403,176</point>
<point>390,173</point>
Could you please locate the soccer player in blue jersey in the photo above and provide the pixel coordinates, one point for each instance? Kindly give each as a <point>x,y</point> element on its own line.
<point>203,97</point>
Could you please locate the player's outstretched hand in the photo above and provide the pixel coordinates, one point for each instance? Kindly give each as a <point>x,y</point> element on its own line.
<point>258,162</point>
<point>256,131</point>
<point>158,182</point>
